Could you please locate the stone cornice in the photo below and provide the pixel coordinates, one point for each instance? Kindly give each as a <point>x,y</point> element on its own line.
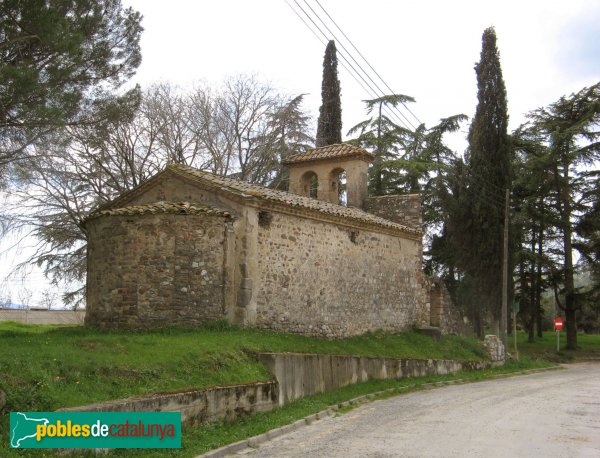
<point>261,203</point>
<point>268,199</point>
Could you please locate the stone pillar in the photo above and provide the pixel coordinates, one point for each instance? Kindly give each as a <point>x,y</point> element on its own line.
<point>495,348</point>
<point>357,183</point>
<point>246,267</point>
<point>295,183</point>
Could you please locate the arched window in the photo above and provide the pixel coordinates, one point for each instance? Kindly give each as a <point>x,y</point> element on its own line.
<point>338,185</point>
<point>310,184</point>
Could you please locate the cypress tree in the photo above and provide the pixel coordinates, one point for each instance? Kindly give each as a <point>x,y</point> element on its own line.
<point>488,175</point>
<point>329,128</point>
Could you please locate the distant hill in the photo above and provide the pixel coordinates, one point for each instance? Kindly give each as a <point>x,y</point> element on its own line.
<point>12,306</point>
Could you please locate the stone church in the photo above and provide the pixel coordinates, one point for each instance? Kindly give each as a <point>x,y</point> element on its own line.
<point>187,246</point>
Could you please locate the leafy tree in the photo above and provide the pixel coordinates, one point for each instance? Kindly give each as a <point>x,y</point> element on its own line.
<point>289,126</point>
<point>60,60</point>
<point>588,228</point>
<point>240,131</point>
<point>329,126</point>
<point>568,130</point>
<point>488,174</point>
<point>534,221</point>
<point>384,138</point>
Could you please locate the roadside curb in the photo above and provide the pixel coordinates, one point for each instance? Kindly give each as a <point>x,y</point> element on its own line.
<point>255,441</point>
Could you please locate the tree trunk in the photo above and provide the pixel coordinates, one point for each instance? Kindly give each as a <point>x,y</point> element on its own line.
<point>532,288</point>
<point>538,293</point>
<point>570,306</point>
<point>477,322</point>
<point>571,328</point>
<point>378,182</point>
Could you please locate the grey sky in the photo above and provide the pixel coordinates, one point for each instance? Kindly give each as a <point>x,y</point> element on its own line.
<point>426,49</point>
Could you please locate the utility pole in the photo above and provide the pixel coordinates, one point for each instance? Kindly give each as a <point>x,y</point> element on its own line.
<point>514,330</point>
<point>504,315</point>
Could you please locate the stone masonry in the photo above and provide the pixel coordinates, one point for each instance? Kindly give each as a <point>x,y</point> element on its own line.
<point>187,247</point>
<point>443,314</point>
<point>494,348</point>
<point>341,281</point>
<point>403,209</point>
<point>155,268</point>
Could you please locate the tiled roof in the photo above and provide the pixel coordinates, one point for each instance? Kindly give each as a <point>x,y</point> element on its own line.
<point>248,190</point>
<point>179,208</point>
<point>338,150</point>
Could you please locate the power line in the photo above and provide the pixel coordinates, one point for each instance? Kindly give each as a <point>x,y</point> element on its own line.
<point>353,59</point>
<point>353,73</point>
<point>306,23</point>
<point>366,61</point>
<point>325,43</point>
<point>493,194</point>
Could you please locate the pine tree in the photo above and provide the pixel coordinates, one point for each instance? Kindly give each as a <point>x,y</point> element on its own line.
<point>329,128</point>
<point>569,130</point>
<point>384,138</point>
<point>59,61</point>
<point>487,176</point>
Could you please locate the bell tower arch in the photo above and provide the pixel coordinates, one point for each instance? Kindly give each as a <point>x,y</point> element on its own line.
<point>341,174</point>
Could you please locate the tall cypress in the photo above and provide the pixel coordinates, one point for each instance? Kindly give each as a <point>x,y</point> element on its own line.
<point>329,128</point>
<point>488,175</point>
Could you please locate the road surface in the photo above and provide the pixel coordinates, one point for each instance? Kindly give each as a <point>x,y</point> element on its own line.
<point>548,414</point>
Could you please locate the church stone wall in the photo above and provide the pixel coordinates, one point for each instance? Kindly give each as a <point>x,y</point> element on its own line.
<point>155,270</point>
<point>326,280</point>
<point>402,209</point>
<point>444,314</point>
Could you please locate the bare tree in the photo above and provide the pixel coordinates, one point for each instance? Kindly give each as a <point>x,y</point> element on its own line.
<point>25,295</point>
<point>170,112</point>
<point>49,298</point>
<point>242,130</point>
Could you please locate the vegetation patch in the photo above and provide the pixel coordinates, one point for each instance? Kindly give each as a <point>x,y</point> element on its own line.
<point>43,368</point>
<point>47,367</point>
<point>200,439</point>
<point>588,347</point>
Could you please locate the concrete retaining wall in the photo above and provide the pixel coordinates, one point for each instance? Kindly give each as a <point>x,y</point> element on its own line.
<point>297,375</point>
<point>302,375</point>
<point>198,406</point>
<point>43,316</point>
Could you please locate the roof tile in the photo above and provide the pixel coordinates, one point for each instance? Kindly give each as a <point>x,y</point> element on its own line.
<point>249,190</point>
<point>338,150</point>
<point>179,208</point>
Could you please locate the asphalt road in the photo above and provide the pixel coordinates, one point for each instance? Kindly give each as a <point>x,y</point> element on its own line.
<point>548,414</point>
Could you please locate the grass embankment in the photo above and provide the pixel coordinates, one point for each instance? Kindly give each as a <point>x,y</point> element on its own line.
<point>46,367</point>
<point>200,439</point>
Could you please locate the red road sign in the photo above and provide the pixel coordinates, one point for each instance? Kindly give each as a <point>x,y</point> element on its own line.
<point>558,324</point>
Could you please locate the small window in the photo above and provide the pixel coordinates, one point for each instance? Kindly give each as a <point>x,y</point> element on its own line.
<point>353,236</point>
<point>264,219</point>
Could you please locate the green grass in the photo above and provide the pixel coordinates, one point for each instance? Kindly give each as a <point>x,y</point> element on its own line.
<point>545,348</point>
<point>200,439</point>
<point>45,367</point>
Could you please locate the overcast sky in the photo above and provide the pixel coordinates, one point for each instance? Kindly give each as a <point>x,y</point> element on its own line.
<point>425,49</point>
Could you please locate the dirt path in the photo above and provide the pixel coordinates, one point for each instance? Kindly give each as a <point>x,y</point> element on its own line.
<point>550,414</point>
